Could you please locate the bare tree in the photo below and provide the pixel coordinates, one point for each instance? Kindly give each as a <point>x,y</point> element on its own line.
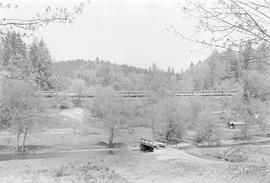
<point>235,25</point>
<point>49,15</point>
<point>165,118</point>
<point>232,24</point>
<point>4,116</point>
<point>150,114</point>
<point>111,110</point>
<point>23,109</point>
<point>78,86</point>
<point>207,129</point>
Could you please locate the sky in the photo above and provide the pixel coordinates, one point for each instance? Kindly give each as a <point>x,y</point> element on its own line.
<point>132,32</point>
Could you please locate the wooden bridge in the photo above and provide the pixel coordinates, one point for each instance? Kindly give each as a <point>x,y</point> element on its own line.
<point>149,145</point>
<point>208,93</point>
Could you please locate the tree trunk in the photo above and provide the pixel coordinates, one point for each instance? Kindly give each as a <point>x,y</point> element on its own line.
<point>151,116</point>
<point>18,142</point>
<point>170,130</point>
<point>110,140</point>
<point>79,100</point>
<point>23,143</point>
<point>153,129</point>
<point>110,144</point>
<point>245,96</point>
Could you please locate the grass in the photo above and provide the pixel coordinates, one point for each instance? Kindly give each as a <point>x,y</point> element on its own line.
<point>73,173</point>
<point>134,166</point>
<point>243,153</point>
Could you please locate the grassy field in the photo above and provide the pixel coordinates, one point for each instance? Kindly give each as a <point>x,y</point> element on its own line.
<point>81,157</point>
<point>71,129</point>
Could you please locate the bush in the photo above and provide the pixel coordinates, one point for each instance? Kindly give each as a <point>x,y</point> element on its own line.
<point>234,154</point>
<point>71,173</point>
<point>112,110</point>
<point>168,119</point>
<point>64,103</point>
<point>207,129</point>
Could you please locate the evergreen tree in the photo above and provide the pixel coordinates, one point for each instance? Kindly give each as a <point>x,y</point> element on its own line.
<point>14,55</point>
<point>169,70</point>
<point>173,71</point>
<point>191,65</point>
<point>154,67</point>
<point>41,65</point>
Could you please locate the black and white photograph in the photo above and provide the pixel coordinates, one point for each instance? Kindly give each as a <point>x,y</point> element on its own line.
<point>134,91</point>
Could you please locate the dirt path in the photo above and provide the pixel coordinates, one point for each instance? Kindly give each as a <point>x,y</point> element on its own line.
<point>174,154</point>
<point>179,166</point>
<point>162,166</point>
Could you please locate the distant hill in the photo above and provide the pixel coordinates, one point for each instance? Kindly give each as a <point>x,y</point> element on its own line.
<point>99,73</point>
<point>225,70</point>
<point>230,70</point>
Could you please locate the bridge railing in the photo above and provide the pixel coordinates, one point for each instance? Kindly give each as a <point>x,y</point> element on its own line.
<point>49,94</point>
<point>207,93</point>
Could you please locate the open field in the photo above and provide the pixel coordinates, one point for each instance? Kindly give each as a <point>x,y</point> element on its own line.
<point>68,129</point>
<point>61,153</point>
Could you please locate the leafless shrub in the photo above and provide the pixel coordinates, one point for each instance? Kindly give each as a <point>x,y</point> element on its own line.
<point>207,129</point>
<point>24,108</point>
<point>112,111</point>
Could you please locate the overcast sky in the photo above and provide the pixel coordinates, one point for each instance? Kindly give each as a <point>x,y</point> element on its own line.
<point>132,32</point>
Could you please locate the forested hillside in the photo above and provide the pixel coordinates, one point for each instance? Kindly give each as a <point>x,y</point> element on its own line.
<point>246,71</point>
<point>224,70</point>
<point>231,70</point>
<point>98,73</point>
